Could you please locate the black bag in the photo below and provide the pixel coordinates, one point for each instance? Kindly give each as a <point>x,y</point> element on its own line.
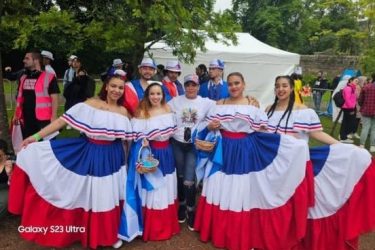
<point>338,98</point>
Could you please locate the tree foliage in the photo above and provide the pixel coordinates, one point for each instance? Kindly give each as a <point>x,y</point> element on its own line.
<point>95,29</point>
<point>368,20</point>
<point>303,26</point>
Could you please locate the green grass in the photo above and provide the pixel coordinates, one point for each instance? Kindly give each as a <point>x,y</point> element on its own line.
<point>10,89</point>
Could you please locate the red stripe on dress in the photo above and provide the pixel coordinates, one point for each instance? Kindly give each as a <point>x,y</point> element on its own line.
<point>341,230</point>
<point>160,224</point>
<point>233,135</point>
<point>159,144</point>
<point>278,228</point>
<point>63,226</point>
<point>100,142</point>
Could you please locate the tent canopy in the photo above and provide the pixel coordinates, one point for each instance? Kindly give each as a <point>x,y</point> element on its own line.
<point>258,62</point>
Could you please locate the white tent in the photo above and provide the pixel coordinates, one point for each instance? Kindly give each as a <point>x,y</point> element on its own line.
<point>257,61</point>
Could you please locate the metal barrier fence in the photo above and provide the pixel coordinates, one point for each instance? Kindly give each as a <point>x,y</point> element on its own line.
<point>11,91</point>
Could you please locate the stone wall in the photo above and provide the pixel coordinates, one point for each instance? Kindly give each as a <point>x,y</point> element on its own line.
<point>330,64</point>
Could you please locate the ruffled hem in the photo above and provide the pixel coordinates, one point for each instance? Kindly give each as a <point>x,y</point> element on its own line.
<point>63,227</point>
<point>279,228</point>
<point>341,230</point>
<point>160,224</point>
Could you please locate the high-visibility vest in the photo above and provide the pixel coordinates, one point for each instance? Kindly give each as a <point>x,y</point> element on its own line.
<point>43,101</point>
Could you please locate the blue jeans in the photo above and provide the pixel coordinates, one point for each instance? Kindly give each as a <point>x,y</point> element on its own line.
<point>186,160</point>
<point>317,97</point>
<point>368,125</point>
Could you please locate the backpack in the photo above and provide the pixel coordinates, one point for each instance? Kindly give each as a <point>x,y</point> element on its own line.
<point>338,98</point>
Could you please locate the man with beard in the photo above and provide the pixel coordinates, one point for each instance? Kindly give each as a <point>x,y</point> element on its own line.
<point>172,86</point>
<point>135,89</point>
<point>37,98</point>
<point>216,88</point>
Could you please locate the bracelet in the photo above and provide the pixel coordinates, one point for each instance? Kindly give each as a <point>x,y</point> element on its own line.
<point>37,137</point>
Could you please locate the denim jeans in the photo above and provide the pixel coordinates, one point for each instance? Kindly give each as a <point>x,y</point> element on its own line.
<point>317,97</point>
<point>186,160</point>
<point>368,125</point>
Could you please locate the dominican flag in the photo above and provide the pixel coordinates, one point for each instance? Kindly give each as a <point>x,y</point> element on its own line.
<point>344,197</point>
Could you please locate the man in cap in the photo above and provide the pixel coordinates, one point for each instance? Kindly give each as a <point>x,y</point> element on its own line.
<point>47,59</point>
<point>37,98</point>
<point>69,73</point>
<point>134,90</point>
<point>172,86</point>
<point>216,88</point>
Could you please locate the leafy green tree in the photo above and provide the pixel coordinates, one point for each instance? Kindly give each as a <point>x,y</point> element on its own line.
<point>367,59</point>
<point>12,15</point>
<point>98,27</point>
<point>275,22</point>
<point>303,26</point>
<point>184,25</point>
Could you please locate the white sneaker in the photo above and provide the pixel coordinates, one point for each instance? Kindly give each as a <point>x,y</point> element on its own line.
<point>118,244</point>
<point>357,136</point>
<point>347,141</point>
<point>372,149</point>
<point>350,136</point>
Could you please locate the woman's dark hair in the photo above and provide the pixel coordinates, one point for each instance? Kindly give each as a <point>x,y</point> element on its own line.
<point>289,109</point>
<point>202,67</point>
<point>103,92</point>
<point>236,74</point>
<point>351,79</point>
<point>4,146</point>
<point>145,105</point>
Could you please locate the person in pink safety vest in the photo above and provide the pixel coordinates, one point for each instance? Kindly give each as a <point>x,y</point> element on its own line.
<point>37,98</point>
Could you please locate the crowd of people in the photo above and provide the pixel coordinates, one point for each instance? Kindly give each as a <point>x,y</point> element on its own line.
<point>146,145</point>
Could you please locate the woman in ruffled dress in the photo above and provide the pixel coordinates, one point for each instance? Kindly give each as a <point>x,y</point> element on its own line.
<point>343,178</point>
<point>69,190</point>
<point>256,197</point>
<point>150,209</point>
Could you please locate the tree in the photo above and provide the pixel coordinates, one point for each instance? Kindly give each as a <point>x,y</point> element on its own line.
<point>367,59</point>
<point>184,25</point>
<point>303,26</point>
<point>119,26</point>
<point>12,14</point>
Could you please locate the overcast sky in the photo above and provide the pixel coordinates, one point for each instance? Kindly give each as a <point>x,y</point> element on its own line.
<point>221,5</point>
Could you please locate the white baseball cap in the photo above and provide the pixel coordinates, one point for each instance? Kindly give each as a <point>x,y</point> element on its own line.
<point>47,54</point>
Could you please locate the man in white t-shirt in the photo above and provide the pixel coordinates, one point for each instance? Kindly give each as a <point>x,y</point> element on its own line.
<point>190,109</point>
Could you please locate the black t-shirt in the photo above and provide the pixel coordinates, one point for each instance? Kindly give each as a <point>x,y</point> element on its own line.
<point>3,177</point>
<point>31,124</point>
